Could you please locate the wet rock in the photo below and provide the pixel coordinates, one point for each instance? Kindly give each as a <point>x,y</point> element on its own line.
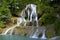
<point>55,38</point>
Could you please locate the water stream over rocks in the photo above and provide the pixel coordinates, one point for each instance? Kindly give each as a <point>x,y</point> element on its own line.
<point>32,16</point>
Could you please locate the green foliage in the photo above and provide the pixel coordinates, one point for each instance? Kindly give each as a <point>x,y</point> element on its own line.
<point>49,35</point>
<point>2,25</point>
<point>17,6</point>
<point>4,11</point>
<point>46,2</point>
<point>57,27</point>
<point>48,19</point>
<point>42,9</point>
<point>4,14</point>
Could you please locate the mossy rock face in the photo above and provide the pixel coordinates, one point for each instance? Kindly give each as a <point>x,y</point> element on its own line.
<point>41,21</point>
<point>50,32</point>
<point>13,20</point>
<point>22,30</point>
<point>29,23</point>
<point>1,30</point>
<point>25,31</point>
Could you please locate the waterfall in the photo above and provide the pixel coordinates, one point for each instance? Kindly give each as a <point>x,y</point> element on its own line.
<point>32,17</point>
<point>32,14</point>
<point>9,29</point>
<point>43,34</point>
<point>35,34</point>
<point>19,21</point>
<point>23,17</point>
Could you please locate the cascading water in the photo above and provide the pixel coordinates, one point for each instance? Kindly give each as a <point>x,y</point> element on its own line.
<point>23,17</point>
<point>33,17</point>
<point>28,14</point>
<point>43,34</point>
<point>35,34</point>
<point>10,29</point>
<point>19,21</point>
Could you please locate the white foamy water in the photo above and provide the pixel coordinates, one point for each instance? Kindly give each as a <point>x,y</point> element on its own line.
<point>43,34</point>
<point>32,14</point>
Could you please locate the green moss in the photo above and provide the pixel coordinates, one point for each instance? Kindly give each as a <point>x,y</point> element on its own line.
<point>49,35</point>
<point>2,25</point>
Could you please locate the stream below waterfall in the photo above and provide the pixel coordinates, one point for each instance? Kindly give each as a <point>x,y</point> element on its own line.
<point>15,37</point>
